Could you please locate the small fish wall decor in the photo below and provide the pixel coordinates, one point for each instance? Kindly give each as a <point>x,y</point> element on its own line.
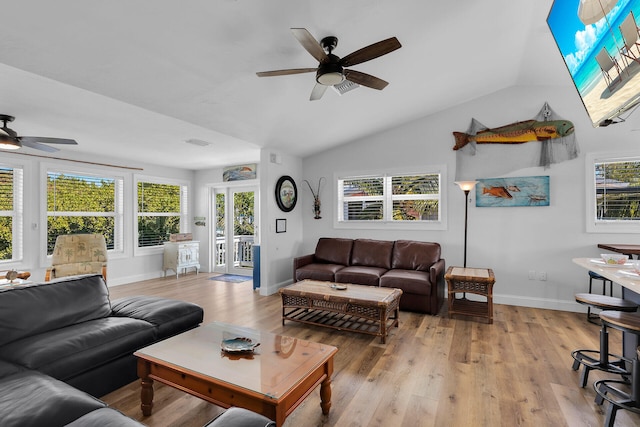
<point>513,191</point>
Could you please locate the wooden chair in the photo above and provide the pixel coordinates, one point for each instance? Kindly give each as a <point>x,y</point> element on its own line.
<point>75,254</point>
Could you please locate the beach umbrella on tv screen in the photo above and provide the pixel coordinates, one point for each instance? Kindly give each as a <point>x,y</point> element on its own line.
<point>591,11</point>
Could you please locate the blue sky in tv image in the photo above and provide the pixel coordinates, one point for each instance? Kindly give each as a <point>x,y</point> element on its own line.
<point>580,43</point>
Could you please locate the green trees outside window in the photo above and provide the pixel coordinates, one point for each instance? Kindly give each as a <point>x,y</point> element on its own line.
<point>159,208</point>
<point>617,190</point>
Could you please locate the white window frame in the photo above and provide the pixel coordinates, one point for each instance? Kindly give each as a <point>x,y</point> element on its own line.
<point>387,223</point>
<point>118,214</point>
<point>17,224</point>
<point>184,209</point>
<point>608,226</point>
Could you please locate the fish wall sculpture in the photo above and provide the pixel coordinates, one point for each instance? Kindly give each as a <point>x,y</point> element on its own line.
<point>517,133</point>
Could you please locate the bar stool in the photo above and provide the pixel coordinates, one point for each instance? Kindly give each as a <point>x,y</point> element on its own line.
<point>608,389</point>
<point>595,276</point>
<point>600,359</point>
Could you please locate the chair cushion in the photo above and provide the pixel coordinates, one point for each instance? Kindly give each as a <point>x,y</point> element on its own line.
<point>67,352</point>
<point>76,248</point>
<point>169,316</point>
<point>31,310</point>
<point>32,399</point>
<point>372,253</point>
<point>323,272</point>
<point>410,281</point>
<point>77,268</point>
<point>334,250</point>
<point>413,255</point>
<point>359,275</point>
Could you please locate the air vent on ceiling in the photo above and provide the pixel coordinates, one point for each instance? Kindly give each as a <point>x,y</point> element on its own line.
<point>198,142</point>
<point>345,87</point>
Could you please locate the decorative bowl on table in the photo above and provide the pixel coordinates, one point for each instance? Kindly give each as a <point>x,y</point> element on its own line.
<point>614,259</point>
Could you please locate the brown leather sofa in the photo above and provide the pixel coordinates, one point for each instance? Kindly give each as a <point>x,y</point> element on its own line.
<point>413,266</point>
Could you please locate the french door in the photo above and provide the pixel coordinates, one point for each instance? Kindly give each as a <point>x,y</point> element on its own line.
<point>234,230</point>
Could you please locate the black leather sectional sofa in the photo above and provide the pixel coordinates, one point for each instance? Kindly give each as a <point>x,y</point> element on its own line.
<point>64,343</point>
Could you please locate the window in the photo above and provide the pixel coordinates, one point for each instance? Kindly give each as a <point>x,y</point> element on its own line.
<point>11,193</point>
<point>408,198</point>
<point>84,204</point>
<point>162,210</point>
<point>614,194</point>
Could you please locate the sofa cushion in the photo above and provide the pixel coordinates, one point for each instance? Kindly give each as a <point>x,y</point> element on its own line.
<point>70,351</point>
<point>324,272</point>
<point>239,417</point>
<point>410,281</point>
<point>372,253</point>
<point>413,255</point>
<point>31,310</point>
<point>169,316</point>
<point>8,368</point>
<point>334,250</point>
<point>360,275</point>
<point>104,417</point>
<point>32,399</point>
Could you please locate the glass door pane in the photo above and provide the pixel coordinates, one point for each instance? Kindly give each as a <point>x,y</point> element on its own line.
<point>243,229</point>
<point>220,232</point>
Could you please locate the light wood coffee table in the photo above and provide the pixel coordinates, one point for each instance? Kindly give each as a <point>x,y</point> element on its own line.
<point>365,309</point>
<point>272,381</point>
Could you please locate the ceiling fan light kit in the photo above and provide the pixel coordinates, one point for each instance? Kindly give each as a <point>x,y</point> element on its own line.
<point>9,139</point>
<point>331,68</point>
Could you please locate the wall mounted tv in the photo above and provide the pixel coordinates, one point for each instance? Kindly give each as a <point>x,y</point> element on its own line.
<point>600,43</point>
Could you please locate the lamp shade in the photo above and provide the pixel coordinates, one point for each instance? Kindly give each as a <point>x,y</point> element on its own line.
<point>8,143</point>
<point>466,185</point>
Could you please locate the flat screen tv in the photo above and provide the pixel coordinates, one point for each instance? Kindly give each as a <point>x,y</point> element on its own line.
<point>600,43</point>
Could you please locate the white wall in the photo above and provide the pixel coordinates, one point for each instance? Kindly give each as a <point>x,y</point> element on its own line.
<point>511,241</point>
<point>123,268</point>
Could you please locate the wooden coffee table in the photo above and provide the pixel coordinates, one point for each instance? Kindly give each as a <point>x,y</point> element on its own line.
<point>366,309</point>
<point>272,381</point>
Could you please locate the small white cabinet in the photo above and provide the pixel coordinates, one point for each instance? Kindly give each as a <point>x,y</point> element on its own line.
<point>181,255</point>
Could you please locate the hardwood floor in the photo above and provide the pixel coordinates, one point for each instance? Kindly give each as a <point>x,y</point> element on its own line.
<point>433,371</point>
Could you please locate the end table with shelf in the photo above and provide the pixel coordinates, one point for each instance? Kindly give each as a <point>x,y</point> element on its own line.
<point>478,281</point>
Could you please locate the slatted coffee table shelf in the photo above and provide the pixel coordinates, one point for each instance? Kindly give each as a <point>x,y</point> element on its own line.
<point>365,309</point>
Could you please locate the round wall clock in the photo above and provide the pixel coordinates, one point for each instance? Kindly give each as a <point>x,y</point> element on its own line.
<point>286,193</point>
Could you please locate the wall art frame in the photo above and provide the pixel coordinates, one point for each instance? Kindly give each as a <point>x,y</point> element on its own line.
<point>513,191</point>
<point>286,193</point>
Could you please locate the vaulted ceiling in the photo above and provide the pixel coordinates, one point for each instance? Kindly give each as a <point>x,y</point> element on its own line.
<point>136,79</point>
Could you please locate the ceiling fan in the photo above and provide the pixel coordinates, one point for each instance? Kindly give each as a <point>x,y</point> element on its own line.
<point>331,69</point>
<point>9,139</point>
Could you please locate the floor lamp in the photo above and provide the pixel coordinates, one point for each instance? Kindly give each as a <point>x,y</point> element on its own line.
<point>466,186</point>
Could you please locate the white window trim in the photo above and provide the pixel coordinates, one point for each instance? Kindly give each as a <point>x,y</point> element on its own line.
<point>185,192</point>
<point>17,224</point>
<point>119,225</point>
<point>395,225</point>
<point>605,226</point>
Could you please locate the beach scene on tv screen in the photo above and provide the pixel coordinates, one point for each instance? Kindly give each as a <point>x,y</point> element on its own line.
<point>600,43</point>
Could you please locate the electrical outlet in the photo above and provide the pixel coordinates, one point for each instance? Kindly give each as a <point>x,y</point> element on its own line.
<point>532,275</point>
<point>542,275</point>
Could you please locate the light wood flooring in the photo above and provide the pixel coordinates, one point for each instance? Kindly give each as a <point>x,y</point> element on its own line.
<point>433,371</point>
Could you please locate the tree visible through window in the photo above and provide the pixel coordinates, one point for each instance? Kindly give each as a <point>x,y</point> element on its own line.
<point>83,204</point>
<point>10,213</point>
<point>159,212</point>
<point>617,190</point>
<point>397,198</point>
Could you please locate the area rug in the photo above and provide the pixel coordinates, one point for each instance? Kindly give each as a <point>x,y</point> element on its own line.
<point>233,278</point>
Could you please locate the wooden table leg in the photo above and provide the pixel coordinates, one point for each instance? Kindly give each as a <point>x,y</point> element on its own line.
<point>383,325</point>
<point>146,389</point>
<point>325,388</point>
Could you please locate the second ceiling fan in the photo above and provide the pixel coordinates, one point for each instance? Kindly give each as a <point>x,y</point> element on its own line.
<point>331,69</point>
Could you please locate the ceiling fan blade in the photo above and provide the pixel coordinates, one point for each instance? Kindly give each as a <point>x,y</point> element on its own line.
<point>370,52</point>
<point>285,72</point>
<point>317,92</point>
<point>46,140</point>
<point>38,146</point>
<point>309,43</point>
<point>365,79</point>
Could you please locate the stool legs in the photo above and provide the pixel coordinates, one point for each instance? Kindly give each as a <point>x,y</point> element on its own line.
<point>594,318</point>
<point>594,359</point>
<point>618,399</point>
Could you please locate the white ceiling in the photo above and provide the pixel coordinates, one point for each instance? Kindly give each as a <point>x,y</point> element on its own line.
<point>135,79</point>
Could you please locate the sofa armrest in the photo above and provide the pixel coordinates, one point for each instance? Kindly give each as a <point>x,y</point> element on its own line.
<point>436,272</point>
<point>301,261</point>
